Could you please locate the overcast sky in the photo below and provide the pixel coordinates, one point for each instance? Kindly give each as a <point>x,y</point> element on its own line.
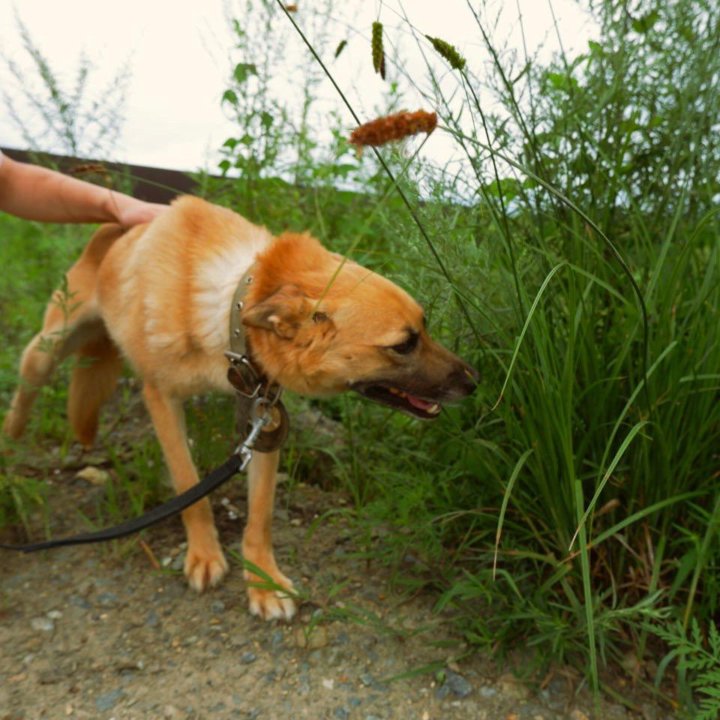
<point>180,57</point>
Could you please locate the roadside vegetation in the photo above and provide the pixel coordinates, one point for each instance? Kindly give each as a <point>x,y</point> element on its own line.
<point>571,251</point>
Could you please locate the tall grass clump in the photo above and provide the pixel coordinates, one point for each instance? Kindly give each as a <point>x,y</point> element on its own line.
<point>579,497</point>
<point>570,248</point>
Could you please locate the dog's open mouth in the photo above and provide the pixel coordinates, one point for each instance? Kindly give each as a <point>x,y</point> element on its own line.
<point>398,399</point>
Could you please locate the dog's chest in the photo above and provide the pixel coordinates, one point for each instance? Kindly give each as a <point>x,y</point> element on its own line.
<point>214,285</point>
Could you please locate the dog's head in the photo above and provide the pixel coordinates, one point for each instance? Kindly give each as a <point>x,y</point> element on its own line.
<point>319,324</point>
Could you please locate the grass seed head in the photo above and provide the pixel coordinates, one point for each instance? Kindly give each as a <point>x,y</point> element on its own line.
<point>393,127</point>
<point>340,47</point>
<point>378,53</point>
<point>448,51</point>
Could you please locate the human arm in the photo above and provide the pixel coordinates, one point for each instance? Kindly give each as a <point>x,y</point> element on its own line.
<point>36,193</point>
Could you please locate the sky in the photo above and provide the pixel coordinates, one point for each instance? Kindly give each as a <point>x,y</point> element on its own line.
<point>180,54</point>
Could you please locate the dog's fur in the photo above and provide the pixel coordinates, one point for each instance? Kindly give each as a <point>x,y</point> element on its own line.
<point>160,295</point>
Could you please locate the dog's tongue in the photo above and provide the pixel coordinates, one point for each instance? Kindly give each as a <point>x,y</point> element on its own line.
<point>419,403</point>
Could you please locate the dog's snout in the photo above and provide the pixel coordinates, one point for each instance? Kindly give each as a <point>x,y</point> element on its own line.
<point>464,379</point>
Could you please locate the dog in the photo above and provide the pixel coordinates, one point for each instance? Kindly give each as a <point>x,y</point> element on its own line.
<point>159,295</point>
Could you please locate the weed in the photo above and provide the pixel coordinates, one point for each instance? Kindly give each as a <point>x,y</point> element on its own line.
<point>49,111</point>
<point>697,655</point>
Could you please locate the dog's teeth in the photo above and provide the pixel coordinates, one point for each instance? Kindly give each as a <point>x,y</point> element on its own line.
<point>434,409</point>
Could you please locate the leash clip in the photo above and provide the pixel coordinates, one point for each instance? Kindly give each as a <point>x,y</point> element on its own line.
<point>259,418</point>
<point>248,382</point>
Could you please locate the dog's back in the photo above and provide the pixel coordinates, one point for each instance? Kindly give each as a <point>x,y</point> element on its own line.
<point>158,294</point>
<point>165,294</point>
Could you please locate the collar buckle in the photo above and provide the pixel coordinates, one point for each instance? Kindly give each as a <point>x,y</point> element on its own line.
<point>243,376</point>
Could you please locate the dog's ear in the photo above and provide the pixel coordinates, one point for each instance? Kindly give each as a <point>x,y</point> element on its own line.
<point>282,312</point>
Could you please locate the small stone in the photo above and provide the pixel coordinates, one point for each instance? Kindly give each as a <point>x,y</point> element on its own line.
<point>54,614</point>
<point>311,638</point>
<point>487,691</point>
<point>328,683</point>
<point>217,607</point>
<point>42,624</point>
<point>79,602</point>
<point>107,599</point>
<point>367,679</point>
<point>93,475</point>
<point>152,620</point>
<point>303,687</point>
<point>511,687</point>
<point>341,713</point>
<point>108,700</point>
<point>247,658</point>
<point>577,714</point>
<point>277,640</point>
<point>170,712</point>
<point>457,684</point>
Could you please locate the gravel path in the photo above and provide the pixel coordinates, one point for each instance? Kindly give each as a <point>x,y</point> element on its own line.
<point>112,631</point>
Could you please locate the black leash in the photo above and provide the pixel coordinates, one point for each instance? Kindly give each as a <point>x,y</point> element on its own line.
<point>265,424</point>
<point>209,483</point>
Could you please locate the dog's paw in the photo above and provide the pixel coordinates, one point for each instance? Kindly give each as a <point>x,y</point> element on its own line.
<point>271,603</point>
<point>204,567</point>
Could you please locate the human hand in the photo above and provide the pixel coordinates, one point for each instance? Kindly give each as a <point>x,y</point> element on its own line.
<point>129,212</point>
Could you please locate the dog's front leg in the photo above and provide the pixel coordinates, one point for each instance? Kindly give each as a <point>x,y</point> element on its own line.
<point>267,602</point>
<point>205,564</point>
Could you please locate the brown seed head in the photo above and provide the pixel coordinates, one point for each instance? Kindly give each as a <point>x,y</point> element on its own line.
<point>393,127</point>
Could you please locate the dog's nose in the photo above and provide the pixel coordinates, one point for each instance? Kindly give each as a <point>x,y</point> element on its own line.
<point>465,378</point>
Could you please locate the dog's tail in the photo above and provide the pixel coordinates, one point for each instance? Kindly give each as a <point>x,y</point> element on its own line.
<point>94,377</point>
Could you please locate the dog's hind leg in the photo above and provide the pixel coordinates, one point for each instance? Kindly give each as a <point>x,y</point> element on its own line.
<point>67,323</point>
<point>36,366</point>
<point>94,379</point>
<point>205,564</point>
<point>267,602</point>
<point>71,321</point>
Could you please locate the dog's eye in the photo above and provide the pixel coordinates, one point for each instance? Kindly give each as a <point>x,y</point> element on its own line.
<point>407,346</point>
<point>318,317</point>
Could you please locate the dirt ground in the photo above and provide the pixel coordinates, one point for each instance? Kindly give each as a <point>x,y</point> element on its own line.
<point>113,631</point>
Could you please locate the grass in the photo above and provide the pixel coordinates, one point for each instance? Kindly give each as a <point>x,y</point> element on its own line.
<point>571,506</point>
<point>601,444</point>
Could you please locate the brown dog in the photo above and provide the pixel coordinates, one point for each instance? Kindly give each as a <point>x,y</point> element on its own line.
<point>160,294</point>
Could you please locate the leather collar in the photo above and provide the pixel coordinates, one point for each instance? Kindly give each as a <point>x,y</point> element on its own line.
<point>255,393</point>
<point>243,374</point>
